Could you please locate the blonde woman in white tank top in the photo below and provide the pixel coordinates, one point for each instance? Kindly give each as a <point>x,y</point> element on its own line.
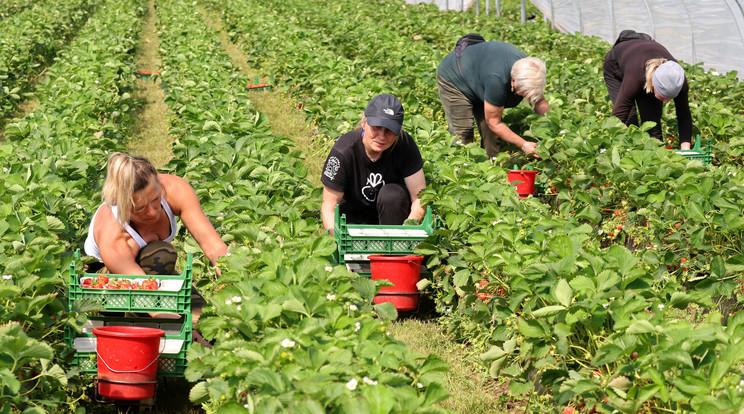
<point>140,206</point>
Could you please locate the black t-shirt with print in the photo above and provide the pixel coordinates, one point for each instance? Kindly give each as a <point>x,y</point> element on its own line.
<point>348,169</point>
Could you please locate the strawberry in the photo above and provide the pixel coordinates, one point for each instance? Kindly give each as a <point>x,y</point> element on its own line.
<point>150,284</point>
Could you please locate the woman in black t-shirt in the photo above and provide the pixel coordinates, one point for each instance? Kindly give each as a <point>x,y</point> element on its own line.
<point>375,172</point>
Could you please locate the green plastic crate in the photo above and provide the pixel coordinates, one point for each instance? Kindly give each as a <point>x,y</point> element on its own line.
<point>697,152</point>
<point>357,241</point>
<point>172,362</point>
<point>121,300</point>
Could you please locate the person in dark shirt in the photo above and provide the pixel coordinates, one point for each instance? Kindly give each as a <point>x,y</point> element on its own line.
<point>375,172</point>
<point>481,80</point>
<point>641,72</point>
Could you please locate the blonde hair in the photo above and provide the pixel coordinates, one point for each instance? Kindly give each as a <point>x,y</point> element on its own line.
<point>529,79</point>
<point>125,176</point>
<point>651,66</point>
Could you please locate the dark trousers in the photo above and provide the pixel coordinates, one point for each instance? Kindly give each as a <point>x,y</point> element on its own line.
<point>613,76</point>
<point>461,113</point>
<point>393,206</point>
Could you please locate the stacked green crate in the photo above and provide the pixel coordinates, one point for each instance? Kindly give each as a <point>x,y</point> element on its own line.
<point>357,241</point>
<point>136,306</point>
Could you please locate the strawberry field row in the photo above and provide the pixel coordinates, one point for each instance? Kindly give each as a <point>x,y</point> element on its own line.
<point>566,290</point>
<point>30,40</point>
<point>51,169</point>
<point>292,333</point>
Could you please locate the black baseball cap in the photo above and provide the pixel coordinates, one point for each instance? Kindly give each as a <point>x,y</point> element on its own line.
<point>386,111</point>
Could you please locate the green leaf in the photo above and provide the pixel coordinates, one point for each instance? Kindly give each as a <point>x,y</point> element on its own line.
<point>723,363</point>
<point>563,293</point>
<point>606,354</point>
<point>582,284</point>
<point>294,305</point>
<point>380,399</point>
<point>211,126</point>
<point>386,311</point>
<point>691,385</point>
<point>462,278</point>
<point>495,369</point>
<point>646,392</point>
<point>9,380</point>
<point>57,373</point>
<point>530,329</point>
<point>718,267</point>
<point>231,407</point>
<point>53,223</point>
<point>199,392</point>
<point>36,350</point>
<point>695,212</point>
<point>265,377</point>
<point>520,388</point>
<point>434,394</point>
<point>494,352</point>
<point>548,311</point>
<point>640,326</point>
<point>677,356</point>
<point>680,300</point>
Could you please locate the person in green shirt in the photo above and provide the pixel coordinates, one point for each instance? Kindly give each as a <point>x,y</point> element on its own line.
<point>479,81</point>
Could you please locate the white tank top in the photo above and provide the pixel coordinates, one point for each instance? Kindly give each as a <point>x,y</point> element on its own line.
<point>91,247</point>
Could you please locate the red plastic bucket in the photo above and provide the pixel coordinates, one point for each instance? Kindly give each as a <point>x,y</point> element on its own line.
<point>403,272</point>
<point>127,361</point>
<point>523,180</point>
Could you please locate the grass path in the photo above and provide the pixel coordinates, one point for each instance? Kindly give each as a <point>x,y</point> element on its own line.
<point>150,136</point>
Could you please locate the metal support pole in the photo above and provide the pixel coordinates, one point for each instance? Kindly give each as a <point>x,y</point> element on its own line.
<point>477,7</point>
<point>498,8</point>
<point>462,5</point>
<point>523,12</point>
<point>552,15</point>
<point>488,6</point>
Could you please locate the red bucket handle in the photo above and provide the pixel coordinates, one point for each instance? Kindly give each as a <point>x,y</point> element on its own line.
<point>134,371</point>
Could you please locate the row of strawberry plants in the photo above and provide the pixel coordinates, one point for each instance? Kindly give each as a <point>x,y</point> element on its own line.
<point>714,99</point>
<point>292,333</point>
<point>51,168</point>
<point>460,221</point>
<point>30,40</point>
<point>11,7</point>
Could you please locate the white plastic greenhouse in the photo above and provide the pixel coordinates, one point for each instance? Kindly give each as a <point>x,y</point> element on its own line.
<point>707,31</point>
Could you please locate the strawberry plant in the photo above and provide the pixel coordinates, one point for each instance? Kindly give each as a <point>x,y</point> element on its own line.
<point>31,39</point>
<point>51,160</point>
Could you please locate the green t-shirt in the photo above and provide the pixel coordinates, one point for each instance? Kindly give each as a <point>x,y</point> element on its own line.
<point>486,73</point>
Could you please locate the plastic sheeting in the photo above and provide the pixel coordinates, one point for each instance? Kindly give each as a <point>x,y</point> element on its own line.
<point>459,5</point>
<point>707,31</point>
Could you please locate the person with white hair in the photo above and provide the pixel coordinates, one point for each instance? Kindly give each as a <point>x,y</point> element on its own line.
<point>478,80</point>
<point>639,71</point>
